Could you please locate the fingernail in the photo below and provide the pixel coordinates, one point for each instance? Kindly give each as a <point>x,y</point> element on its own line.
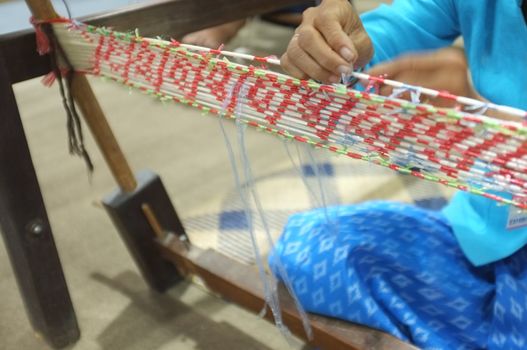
<point>344,70</point>
<point>334,79</point>
<point>346,54</point>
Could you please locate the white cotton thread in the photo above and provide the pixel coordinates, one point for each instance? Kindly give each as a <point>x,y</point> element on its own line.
<point>249,179</point>
<point>244,199</point>
<point>320,199</point>
<point>247,188</point>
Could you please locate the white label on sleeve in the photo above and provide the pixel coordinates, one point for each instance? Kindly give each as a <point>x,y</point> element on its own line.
<point>517,218</point>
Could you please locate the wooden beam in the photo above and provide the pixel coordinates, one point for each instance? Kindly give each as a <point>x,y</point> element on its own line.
<point>241,284</point>
<point>177,17</point>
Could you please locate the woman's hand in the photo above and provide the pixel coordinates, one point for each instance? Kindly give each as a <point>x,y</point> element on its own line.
<point>329,42</point>
<point>442,70</point>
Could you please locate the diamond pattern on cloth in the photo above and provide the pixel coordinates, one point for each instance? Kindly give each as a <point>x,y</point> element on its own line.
<point>398,268</point>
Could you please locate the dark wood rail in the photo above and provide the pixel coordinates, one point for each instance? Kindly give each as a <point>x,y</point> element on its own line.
<point>170,18</point>
<point>242,285</point>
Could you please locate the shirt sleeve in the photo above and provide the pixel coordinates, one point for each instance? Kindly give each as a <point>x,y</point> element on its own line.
<point>410,26</point>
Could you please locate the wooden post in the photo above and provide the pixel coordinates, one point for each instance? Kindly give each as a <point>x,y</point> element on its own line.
<point>125,206</point>
<point>27,234</point>
<point>92,112</point>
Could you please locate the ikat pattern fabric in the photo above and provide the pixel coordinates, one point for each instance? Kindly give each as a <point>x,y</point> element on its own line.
<point>399,268</point>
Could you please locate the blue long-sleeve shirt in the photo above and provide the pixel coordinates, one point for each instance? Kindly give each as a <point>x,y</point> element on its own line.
<point>495,39</point>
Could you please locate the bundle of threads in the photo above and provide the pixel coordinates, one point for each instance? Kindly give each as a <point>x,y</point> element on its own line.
<point>459,147</point>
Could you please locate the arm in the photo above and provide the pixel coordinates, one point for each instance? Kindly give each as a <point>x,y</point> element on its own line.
<point>410,26</point>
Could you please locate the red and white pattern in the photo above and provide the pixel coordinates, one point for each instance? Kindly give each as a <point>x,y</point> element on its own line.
<point>466,151</point>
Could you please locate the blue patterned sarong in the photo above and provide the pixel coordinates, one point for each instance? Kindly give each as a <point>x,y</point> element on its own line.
<point>399,269</point>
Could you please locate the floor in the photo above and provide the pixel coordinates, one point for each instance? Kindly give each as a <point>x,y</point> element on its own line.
<point>114,306</point>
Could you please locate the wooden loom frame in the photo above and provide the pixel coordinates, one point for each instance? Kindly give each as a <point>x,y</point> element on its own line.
<point>23,218</point>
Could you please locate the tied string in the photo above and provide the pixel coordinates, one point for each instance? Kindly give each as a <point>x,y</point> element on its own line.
<point>47,44</point>
<point>265,60</point>
<point>42,33</point>
<point>350,80</point>
<point>415,93</point>
<point>478,109</point>
<point>43,44</point>
<point>374,84</point>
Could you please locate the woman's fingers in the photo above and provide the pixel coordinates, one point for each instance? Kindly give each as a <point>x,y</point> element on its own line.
<point>311,41</point>
<point>291,68</point>
<point>330,28</point>
<point>342,29</point>
<point>300,64</point>
<point>330,42</point>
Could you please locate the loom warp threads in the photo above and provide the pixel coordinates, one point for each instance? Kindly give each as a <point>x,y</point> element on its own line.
<point>246,187</point>
<point>448,143</point>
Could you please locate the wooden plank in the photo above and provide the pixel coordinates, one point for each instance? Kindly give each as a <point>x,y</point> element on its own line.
<point>27,233</point>
<point>125,210</point>
<point>176,17</point>
<point>241,285</point>
<point>171,18</point>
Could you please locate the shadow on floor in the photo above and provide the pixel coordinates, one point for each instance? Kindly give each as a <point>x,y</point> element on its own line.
<point>152,320</point>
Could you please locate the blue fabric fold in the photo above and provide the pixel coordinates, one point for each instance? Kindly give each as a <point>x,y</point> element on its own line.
<point>398,268</point>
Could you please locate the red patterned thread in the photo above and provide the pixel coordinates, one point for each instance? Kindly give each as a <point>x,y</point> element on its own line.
<point>385,129</point>
<point>447,95</point>
<point>49,79</point>
<point>43,44</point>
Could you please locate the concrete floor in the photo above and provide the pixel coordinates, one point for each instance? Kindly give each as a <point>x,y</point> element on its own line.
<point>115,308</point>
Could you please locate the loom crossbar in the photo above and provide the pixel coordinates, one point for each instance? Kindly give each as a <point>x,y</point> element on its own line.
<point>241,284</point>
